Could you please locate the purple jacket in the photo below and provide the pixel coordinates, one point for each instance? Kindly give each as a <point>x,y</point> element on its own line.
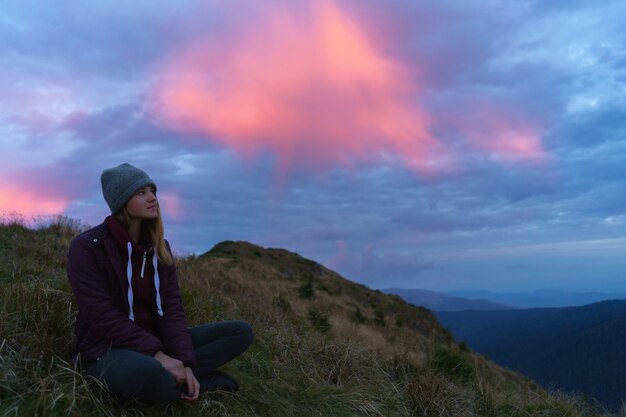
<point>98,279</point>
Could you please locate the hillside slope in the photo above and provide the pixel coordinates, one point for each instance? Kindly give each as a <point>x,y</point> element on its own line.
<point>323,345</point>
<point>573,348</point>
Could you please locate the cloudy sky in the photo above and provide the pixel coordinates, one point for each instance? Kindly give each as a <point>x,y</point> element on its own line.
<point>422,144</point>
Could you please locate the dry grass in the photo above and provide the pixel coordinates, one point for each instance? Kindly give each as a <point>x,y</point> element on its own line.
<point>389,359</point>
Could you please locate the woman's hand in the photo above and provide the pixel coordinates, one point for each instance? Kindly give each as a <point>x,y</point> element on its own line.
<point>193,387</point>
<point>173,366</point>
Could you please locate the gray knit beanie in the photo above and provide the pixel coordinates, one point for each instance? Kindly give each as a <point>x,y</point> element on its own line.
<point>120,183</point>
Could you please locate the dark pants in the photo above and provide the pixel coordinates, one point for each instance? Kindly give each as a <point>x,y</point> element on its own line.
<point>130,374</point>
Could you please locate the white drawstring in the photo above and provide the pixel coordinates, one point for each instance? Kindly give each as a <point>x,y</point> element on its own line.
<point>157,284</point>
<point>129,275</point>
<point>157,281</point>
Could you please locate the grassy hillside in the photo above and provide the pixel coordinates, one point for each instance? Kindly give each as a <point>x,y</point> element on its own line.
<point>324,346</point>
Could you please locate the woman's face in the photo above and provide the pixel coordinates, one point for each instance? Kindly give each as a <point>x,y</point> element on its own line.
<point>143,205</point>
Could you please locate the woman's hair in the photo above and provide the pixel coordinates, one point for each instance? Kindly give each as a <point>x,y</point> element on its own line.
<point>154,227</point>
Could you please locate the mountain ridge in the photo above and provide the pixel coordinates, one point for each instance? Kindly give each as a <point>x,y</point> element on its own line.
<point>574,348</point>
<point>539,298</point>
<point>442,302</point>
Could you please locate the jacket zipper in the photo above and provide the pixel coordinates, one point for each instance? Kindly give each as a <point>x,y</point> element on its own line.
<point>143,264</point>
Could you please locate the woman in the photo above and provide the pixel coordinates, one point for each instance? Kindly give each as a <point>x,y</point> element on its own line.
<point>131,330</point>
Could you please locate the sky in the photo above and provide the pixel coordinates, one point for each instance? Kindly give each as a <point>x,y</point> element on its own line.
<point>440,145</point>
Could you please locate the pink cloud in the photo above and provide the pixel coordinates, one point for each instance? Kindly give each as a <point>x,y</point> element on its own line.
<point>170,205</point>
<point>310,88</point>
<point>511,142</point>
<point>29,202</point>
<point>312,83</point>
<point>501,132</point>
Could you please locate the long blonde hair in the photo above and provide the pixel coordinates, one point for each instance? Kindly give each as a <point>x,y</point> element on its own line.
<point>155,228</point>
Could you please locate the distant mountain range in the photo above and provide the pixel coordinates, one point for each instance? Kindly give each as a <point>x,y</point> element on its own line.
<point>489,300</point>
<point>441,302</point>
<point>575,348</point>
<point>539,298</point>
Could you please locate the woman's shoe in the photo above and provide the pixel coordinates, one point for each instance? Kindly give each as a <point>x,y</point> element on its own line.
<point>218,381</point>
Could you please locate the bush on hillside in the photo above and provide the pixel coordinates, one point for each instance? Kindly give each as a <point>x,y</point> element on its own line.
<point>454,364</point>
<point>319,320</point>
